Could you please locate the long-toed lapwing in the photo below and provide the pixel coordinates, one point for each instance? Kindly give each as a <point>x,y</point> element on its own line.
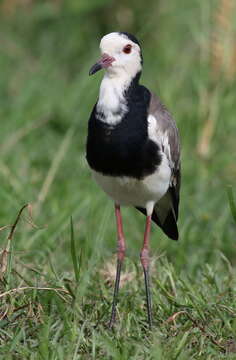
<point>133,148</point>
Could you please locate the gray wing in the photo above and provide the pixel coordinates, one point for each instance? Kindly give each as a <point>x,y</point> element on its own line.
<point>166,211</point>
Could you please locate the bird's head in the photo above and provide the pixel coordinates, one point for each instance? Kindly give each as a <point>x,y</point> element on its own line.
<point>120,54</point>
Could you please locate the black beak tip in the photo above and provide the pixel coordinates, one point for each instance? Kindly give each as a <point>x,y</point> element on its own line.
<point>96,67</point>
<point>90,72</point>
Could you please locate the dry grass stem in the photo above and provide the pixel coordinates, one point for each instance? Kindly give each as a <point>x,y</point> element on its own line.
<point>12,180</point>
<point>19,134</point>
<point>24,288</point>
<point>223,42</point>
<point>223,64</point>
<point>54,168</point>
<point>173,317</point>
<point>207,133</point>
<point>5,252</point>
<point>109,274</point>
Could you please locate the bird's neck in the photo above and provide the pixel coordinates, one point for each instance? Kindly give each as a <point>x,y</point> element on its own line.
<point>114,95</point>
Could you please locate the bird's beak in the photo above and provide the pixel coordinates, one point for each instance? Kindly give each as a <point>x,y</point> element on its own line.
<point>103,63</point>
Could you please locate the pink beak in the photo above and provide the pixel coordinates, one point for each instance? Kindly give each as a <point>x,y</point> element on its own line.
<point>103,63</point>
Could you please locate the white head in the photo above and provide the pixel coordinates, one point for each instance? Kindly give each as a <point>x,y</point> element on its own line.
<point>121,55</point>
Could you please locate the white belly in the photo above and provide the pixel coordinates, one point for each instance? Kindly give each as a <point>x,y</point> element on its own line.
<point>130,191</point>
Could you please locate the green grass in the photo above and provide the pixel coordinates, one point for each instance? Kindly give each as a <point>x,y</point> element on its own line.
<point>46,96</point>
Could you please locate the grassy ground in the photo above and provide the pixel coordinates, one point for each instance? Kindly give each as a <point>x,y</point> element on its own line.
<point>56,289</point>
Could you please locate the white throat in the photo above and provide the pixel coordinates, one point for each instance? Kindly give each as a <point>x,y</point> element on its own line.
<point>112,105</point>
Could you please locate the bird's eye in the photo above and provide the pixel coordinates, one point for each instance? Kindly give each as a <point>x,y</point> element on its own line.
<point>127,49</point>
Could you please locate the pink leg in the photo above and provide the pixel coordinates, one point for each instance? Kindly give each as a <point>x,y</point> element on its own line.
<point>120,258</point>
<point>120,234</point>
<point>144,256</point>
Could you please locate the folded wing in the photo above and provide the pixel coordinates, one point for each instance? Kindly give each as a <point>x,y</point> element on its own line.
<point>165,213</point>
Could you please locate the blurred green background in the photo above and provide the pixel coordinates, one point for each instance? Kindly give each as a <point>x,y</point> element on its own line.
<point>46,96</point>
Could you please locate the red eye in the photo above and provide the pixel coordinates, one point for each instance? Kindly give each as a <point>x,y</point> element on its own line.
<point>127,49</point>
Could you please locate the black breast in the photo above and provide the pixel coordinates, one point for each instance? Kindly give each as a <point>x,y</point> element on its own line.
<point>124,149</point>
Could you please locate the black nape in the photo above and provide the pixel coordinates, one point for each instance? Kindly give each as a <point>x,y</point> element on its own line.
<point>134,39</point>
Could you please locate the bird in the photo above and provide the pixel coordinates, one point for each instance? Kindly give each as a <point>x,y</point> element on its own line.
<point>133,150</point>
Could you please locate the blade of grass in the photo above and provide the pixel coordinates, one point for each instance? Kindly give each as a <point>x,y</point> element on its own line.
<point>73,251</point>
<point>231,200</point>
<point>181,345</point>
<point>9,248</point>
